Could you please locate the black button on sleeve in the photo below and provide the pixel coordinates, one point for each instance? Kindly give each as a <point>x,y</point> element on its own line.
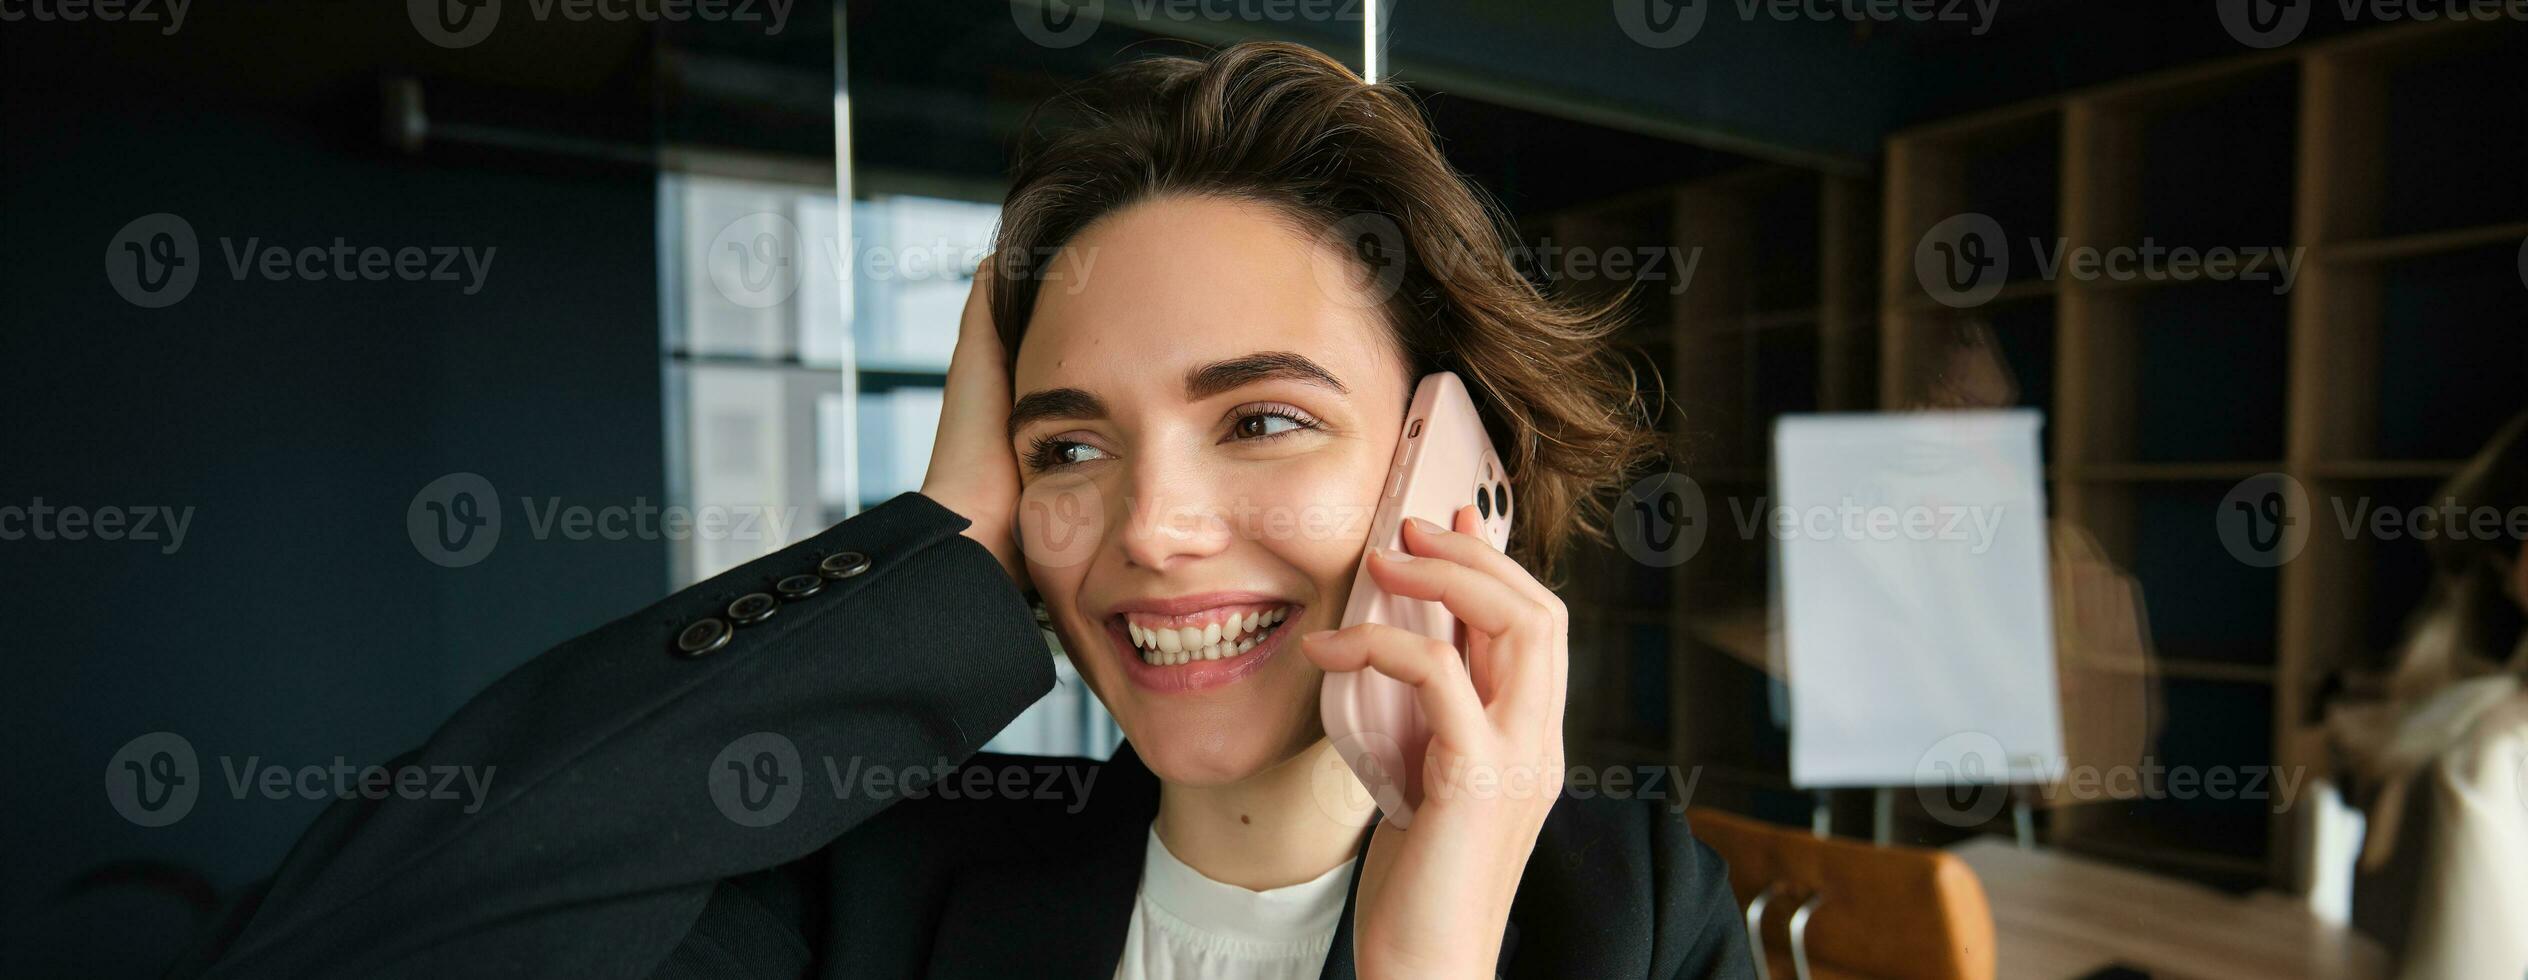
<point>843,564</point>
<point>799,587</point>
<point>752,608</point>
<point>703,637</point>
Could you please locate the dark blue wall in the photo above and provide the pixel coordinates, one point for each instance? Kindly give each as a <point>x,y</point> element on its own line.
<point>297,420</point>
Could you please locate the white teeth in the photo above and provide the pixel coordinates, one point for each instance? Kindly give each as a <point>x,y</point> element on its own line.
<point>1233,635</point>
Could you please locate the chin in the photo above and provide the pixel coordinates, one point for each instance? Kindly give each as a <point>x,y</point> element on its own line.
<point>1220,752</point>
<point>1228,697</point>
<point>1213,737</point>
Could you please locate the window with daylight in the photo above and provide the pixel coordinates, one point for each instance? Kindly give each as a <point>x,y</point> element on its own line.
<point>804,362</point>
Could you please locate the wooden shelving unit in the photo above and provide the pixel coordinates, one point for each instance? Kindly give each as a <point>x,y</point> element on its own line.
<point>1669,663</point>
<point>2394,162</point>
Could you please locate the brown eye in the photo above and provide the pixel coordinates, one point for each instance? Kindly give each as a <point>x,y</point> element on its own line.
<point>1049,454</point>
<point>1265,425</point>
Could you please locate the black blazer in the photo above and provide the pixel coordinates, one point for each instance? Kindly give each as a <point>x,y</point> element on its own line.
<point>636,825</point>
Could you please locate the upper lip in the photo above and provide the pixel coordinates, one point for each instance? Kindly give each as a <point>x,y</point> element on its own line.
<point>1185,605</point>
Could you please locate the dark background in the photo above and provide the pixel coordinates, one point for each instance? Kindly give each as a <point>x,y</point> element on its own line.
<point>298,419</point>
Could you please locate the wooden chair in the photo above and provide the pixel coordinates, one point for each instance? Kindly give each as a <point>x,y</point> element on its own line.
<point>1836,909</point>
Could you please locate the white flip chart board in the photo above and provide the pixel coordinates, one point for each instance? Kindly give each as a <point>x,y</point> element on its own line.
<point>1917,626</point>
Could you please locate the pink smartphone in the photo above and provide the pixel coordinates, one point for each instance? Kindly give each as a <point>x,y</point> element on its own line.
<point>1443,462</point>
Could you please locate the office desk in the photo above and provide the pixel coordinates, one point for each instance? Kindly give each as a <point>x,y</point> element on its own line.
<point>2057,916</point>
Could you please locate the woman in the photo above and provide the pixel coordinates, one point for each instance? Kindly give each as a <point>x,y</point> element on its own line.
<point>2455,720</point>
<point>1210,369</point>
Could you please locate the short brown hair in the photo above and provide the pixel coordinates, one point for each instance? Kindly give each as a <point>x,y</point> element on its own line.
<point>1289,128</point>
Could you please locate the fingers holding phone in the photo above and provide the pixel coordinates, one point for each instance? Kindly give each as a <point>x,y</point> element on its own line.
<point>1433,895</point>
<point>1498,703</point>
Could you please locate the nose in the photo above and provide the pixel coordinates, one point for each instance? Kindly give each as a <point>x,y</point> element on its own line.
<point>1173,518</point>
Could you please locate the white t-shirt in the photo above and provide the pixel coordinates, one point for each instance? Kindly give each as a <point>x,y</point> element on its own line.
<point>1185,925</point>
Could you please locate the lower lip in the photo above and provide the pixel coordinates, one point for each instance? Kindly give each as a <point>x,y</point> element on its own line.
<point>1201,675</point>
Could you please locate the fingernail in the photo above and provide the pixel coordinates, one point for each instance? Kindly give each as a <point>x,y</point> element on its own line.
<point>1424,526</point>
<point>1319,636</point>
<point>1393,555</point>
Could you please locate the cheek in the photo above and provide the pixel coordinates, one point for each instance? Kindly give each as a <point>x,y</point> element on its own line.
<point>1314,513</point>
<point>1062,517</point>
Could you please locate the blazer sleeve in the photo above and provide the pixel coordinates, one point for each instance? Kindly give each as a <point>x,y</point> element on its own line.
<point>626,778</point>
<point>1700,933</point>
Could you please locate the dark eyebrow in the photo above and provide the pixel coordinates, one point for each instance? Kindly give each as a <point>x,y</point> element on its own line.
<point>1237,372</point>
<point>1054,403</point>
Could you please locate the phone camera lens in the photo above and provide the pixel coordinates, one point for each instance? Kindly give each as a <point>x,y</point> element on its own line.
<point>1501,499</point>
<point>1483,504</point>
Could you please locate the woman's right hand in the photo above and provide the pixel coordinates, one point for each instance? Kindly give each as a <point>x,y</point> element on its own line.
<point>973,471</point>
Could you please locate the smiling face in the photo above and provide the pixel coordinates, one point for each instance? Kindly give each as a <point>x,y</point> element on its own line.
<point>1208,401</point>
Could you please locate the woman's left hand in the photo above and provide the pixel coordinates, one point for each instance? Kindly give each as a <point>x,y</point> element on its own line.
<point>1433,900</point>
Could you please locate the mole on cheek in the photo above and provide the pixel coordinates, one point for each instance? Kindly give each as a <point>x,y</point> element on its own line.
<point>1242,819</point>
